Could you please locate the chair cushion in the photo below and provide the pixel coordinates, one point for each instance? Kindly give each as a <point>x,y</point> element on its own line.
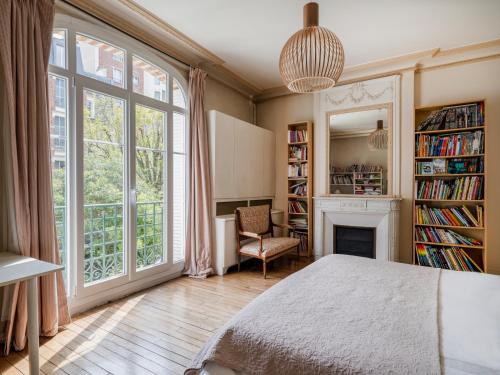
<point>254,219</point>
<point>270,246</point>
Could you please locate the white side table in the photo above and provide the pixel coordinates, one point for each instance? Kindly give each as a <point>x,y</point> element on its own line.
<point>15,268</point>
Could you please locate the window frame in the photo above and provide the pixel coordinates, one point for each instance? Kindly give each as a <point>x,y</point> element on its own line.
<point>79,294</point>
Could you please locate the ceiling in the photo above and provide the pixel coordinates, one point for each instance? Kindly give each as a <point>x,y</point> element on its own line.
<point>354,122</point>
<point>249,35</point>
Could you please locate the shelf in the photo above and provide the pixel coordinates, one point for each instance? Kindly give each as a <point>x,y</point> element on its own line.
<point>300,156</point>
<point>343,173</point>
<point>343,184</point>
<point>451,201</point>
<point>451,174</point>
<point>450,245</point>
<point>448,226</point>
<point>441,131</point>
<point>448,157</point>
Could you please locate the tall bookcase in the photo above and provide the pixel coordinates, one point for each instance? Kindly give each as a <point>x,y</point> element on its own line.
<point>300,183</point>
<point>449,195</point>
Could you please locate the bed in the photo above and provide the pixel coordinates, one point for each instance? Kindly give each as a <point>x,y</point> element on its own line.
<point>345,314</point>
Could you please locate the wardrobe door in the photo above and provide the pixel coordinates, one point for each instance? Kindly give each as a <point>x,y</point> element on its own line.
<point>248,160</point>
<point>267,169</point>
<point>222,138</point>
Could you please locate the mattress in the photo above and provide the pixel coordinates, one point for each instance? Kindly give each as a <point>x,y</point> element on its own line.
<point>469,325</point>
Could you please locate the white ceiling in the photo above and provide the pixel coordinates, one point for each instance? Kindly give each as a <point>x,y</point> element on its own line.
<point>248,35</point>
<point>357,121</point>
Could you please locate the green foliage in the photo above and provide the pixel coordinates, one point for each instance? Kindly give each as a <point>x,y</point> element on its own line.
<point>103,164</point>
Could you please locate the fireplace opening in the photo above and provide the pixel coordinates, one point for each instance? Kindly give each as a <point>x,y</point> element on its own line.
<point>359,241</point>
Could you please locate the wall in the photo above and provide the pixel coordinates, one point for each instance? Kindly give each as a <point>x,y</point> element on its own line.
<point>355,150</point>
<point>454,83</point>
<point>459,83</point>
<point>275,114</point>
<point>229,101</point>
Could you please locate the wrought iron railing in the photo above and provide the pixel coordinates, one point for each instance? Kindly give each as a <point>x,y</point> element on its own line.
<point>103,238</point>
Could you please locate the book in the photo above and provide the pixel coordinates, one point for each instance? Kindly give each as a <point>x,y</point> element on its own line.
<point>454,117</point>
<point>467,143</point>
<point>463,188</point>
<point>451,258</point>
<point>439,166</point>
<point>427,168</point>
<point>440,235</point>
<point>297,136</point>
<point>450,216</point>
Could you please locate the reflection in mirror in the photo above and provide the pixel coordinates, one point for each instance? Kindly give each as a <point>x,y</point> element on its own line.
<point>359,152</point>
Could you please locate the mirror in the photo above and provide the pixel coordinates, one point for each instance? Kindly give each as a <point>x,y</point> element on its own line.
<point>360,152</point>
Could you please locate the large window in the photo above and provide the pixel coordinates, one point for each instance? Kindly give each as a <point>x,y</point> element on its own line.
<point>119,159</point>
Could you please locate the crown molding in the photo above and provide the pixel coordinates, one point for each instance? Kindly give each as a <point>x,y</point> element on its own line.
<point>435,58</point>
<point>132,19</point>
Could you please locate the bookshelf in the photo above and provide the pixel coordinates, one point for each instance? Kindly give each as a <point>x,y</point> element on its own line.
<point>357,183</point>
<point>449,195</point>
<point>300,183</point>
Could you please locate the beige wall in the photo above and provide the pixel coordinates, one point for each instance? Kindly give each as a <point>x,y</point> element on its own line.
<point>456,83</point>
<point>347,151</point>
<point>229,101</point>
<point>274,115</point>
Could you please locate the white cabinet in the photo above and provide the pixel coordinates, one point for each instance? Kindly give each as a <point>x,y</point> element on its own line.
<point>222,153</point>
<point>241,158</point>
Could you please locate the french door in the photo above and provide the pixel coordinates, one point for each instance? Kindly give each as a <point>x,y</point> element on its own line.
<point>119,170</point>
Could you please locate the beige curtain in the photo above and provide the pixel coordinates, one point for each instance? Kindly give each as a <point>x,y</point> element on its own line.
<point>25,38</point>
<point>199,225</point>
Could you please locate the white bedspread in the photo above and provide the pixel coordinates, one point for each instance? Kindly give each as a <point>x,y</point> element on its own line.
<point>469,325</point>
<point>339,315</point>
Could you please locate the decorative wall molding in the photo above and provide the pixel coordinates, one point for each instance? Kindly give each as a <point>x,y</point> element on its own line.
<point>134,20</point>
<point>435,58</point>
<point>356,93</point>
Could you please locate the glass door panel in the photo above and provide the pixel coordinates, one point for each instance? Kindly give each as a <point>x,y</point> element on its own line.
<point>103,186</point>
<point>179,186</point>
<point>58,147</point>
<point>150,186</point>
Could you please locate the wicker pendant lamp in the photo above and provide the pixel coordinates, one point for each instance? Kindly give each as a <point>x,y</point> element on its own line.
<point>378,139</point>
<point>313,58</point>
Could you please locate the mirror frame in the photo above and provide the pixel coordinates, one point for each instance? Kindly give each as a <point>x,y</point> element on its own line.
<point>389,107</point>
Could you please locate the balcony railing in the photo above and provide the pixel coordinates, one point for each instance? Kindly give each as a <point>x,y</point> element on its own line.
<point>103,238</point>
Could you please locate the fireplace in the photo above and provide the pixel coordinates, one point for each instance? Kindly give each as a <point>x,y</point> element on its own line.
<point>380,214</point>
<point>349,240</point>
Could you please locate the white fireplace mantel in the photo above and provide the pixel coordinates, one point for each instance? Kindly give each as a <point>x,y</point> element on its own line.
<point>380,213</point>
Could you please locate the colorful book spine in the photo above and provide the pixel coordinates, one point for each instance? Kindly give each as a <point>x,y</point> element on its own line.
<point>467,143</point>
<point>440,235</point>
<point>450,216</point>
<point>464,188</point>
<point>297,136</point>
<point>451,258</point>
<point>297,207</point>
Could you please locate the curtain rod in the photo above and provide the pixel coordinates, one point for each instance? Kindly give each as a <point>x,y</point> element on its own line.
<point>126,33</point>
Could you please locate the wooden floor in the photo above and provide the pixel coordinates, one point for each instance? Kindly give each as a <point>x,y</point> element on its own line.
<point>157,331</point>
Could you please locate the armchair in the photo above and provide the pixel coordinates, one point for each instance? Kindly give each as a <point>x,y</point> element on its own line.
<point>256,222</point>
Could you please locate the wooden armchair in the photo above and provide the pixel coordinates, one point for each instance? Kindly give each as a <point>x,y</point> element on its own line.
<point>256,222</point>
